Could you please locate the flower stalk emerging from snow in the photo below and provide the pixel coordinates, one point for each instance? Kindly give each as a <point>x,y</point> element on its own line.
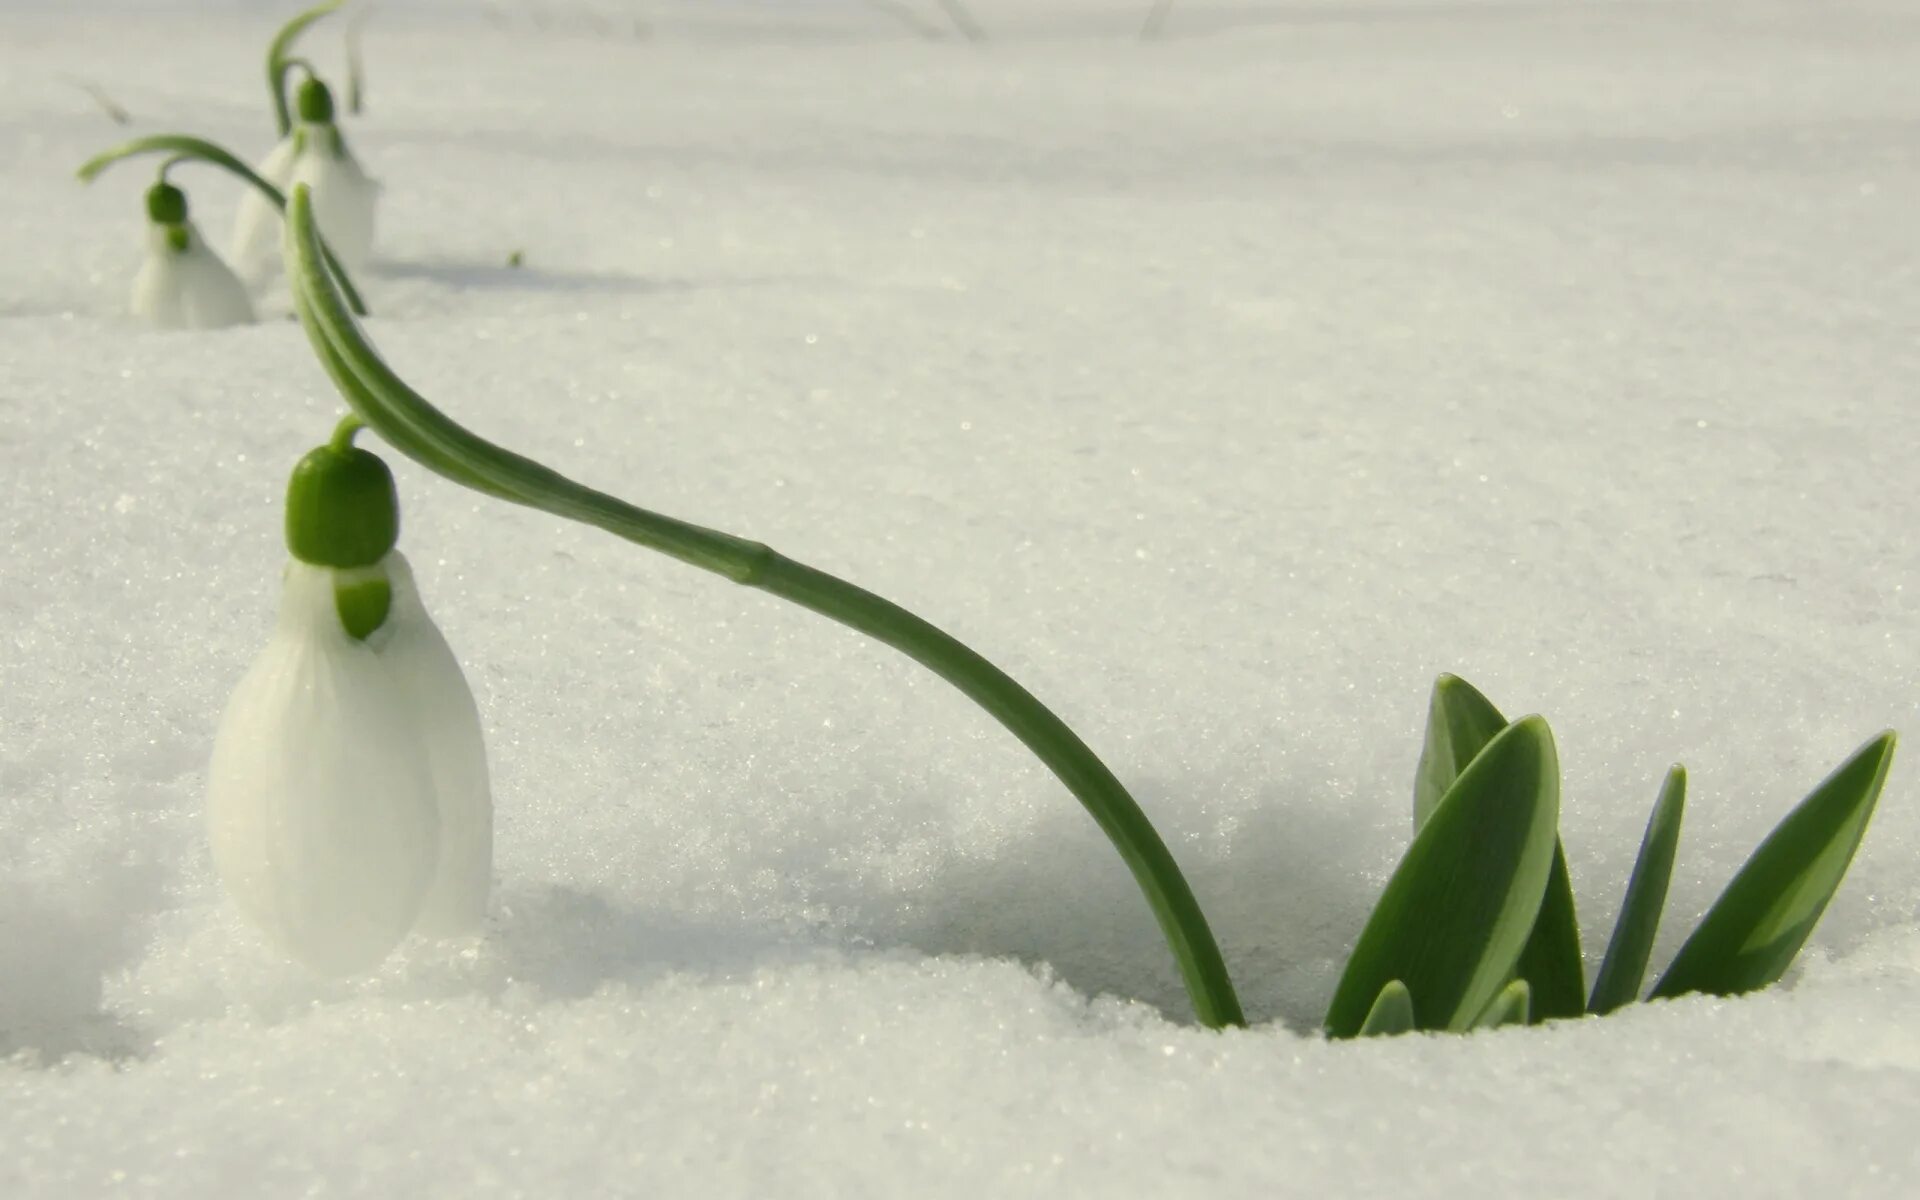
<point>182,284</point>
<point>315,154</point>
<point>347,799</point>
<point>183,148</point>
<point>422,432</point>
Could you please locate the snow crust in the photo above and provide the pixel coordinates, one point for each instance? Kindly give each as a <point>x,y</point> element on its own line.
<point>1223,389</point>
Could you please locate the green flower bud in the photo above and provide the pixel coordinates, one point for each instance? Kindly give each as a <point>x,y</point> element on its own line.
<point>314,102</point>
<point>166,204</point>
<point>342,510</point>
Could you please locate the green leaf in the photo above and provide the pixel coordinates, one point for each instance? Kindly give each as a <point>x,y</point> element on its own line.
<point>1551,960</point>
<point>1460,722</point>
<point>1392,1012</point>
<point>1752,932</point>
<point>1626,963</point>
<point>1513,1006</point>
<point>1452,920</point>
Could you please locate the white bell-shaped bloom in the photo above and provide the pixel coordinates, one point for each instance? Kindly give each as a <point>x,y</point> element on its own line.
<point>348,796</point>
<point>257,223</point>
<point>343,202</point>
<point>183,285</point>
<point>424,668</point>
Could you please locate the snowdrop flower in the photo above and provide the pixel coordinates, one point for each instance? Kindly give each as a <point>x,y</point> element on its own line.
<point>182,284</point>
<point>347,799</point>
<point>315,154</point>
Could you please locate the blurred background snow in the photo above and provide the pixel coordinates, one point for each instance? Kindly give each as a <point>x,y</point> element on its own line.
<point>1223,389</point>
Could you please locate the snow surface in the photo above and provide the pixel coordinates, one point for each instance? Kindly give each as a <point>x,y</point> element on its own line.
<point>1223,389</point>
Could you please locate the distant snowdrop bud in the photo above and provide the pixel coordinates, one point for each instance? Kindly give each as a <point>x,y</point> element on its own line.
<point>314,153</point>
<point>348,799</point>
<point>181,283</point>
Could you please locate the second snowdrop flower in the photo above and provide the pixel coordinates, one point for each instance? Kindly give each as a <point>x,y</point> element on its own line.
<point>182,284</point>
<point>314,153</point>
<point>348,799</point>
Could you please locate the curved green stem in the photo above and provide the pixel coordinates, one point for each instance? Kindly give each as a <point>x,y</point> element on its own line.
<point>356,71</point>
<point>422,432</point>
<point>183,148</point>
<point>279,61</point>
<point>344,431</point>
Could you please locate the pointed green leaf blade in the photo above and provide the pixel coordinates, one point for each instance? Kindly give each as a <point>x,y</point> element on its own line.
<point>1452,920</point>
<point>1551,960</point>
<point>1513,1006</point>
<point>1752,932</point>
<point>1625,966</point>
<point>1392,1012</point>
<point>1460,722</point>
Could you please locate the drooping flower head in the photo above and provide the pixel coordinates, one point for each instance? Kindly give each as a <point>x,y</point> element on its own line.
<point>314,153</point>
<point>181,283</point>
<point>348,800</point>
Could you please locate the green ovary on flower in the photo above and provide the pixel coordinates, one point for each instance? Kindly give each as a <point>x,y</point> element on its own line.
<point>166,204</point>
<point>314,102</point>
<point>342,509</point>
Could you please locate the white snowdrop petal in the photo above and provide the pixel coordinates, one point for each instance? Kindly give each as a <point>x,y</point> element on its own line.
<point>157,297</point>
<point>321,808</point>
<point>187,289</point>
<point>343,202</point>
<point>425,670</point>
<point>255,249</point>
<point>215,297</point>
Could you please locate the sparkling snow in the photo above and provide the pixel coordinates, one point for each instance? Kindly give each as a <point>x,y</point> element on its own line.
<point>1224,389</point>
